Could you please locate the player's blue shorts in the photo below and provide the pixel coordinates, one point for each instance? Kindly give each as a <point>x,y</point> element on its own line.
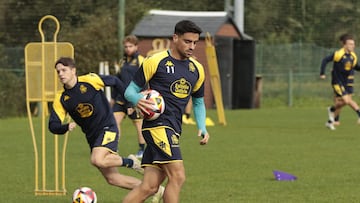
<point>122,107</point>
<point>163,146</point>
<point>340,90</point>
<point>108,138</point>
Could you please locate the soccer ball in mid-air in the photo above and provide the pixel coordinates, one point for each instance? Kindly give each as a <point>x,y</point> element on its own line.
<point>158,107</point>
<point>84,195</point>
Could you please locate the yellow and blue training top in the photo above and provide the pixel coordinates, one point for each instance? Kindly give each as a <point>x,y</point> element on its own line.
<point>176,80</point>
<point>343,68</point>
<point>87,105</point>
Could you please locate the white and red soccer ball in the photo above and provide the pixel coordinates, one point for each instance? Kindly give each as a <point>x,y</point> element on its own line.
<point>158,107</point>
<point>84,195</point>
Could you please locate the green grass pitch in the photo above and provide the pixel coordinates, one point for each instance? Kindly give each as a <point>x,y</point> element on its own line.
<point>236,165</point>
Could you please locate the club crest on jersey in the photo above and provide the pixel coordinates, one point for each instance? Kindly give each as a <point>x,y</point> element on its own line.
<point>180,88</point>
<point>85,110</point>
<point>191,67</point>
<point>83,89</point>
<point>133,62</point>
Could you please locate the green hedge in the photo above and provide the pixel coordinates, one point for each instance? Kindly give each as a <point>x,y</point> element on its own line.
<point>12,95</point>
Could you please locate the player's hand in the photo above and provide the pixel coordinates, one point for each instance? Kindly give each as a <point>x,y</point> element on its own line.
<point>322,77</point>
<point>205,137</point>
<point>72,125</point>
<point>144,104</point>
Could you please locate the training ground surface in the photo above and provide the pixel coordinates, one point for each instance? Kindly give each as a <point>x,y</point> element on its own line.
<point>236,165</point>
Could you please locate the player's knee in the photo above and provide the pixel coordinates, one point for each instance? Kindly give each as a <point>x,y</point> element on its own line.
<point>178,177</point>
<point>98,163</point>
<point>148,190</point>
<point>151,190</point>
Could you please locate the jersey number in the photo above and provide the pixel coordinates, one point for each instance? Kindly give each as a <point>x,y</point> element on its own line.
<point>170,69</point>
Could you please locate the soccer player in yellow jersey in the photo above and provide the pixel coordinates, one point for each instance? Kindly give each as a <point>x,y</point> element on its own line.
<point>83,99</point>
<point>345,63</point>
<point>177,77</point>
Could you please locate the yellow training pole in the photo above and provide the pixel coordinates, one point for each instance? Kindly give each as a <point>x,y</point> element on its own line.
<point>215,78</point>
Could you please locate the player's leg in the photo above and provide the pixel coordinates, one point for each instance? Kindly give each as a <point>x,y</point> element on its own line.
<point>138,124</point>
<point>153,177</point>
<point>175,172</point>
<point>167,156</point>
<point>113,177</point>
<point>102,157</point>
<point>137,121</point>
<point>349,101</point>
<point>338,103</point>
<point>119,114</point>
<point>335,110</point>
<point>347,97</point>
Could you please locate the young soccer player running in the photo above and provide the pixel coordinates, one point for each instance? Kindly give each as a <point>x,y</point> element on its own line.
<point>177,77</point>
<point>83,99</point>
<point>345,62</point>
<point>130,64</point>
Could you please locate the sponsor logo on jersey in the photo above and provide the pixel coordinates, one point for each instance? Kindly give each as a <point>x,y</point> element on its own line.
<point>85,110</point>
<point>180,88</point>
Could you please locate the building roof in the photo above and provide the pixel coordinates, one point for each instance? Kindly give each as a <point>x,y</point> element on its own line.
<point>161,23</point>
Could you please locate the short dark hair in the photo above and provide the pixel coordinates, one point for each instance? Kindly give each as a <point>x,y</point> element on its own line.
<point>185,26</point>
<point>343,38</point>
<point>66,61</point>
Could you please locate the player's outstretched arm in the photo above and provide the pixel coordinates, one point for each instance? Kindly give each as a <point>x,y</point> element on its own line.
<point>56,126</point>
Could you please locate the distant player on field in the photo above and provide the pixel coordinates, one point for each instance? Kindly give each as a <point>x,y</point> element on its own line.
<point>129,65</point>
<point>345,62</point>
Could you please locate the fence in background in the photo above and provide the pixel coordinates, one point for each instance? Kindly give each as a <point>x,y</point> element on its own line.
<point>289,73</point>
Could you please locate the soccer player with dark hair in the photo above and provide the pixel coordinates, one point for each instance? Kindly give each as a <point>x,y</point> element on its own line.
<point>83,99</point>
<point>128,67</point>
<point>345,62</point>
<point>177,77</point>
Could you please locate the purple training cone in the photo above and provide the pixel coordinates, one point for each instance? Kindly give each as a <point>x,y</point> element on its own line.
<point>282,176</point>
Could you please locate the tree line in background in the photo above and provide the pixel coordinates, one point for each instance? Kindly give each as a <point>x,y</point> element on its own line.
<point>91,26</point>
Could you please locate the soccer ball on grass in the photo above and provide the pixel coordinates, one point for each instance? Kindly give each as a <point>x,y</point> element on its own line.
<point>84,195</point>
